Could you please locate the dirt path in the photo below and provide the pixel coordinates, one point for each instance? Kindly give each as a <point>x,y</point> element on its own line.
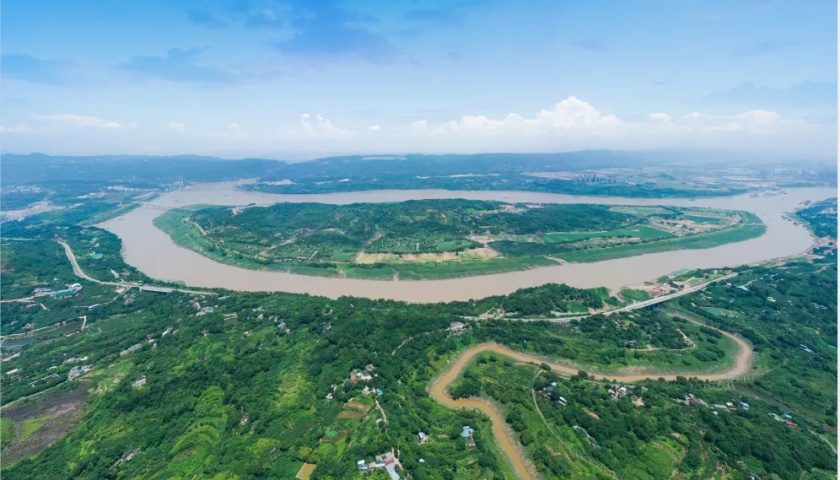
<point>743,359</point>
<point>505,439</point>
<point>187,219</point>
<point>523,468</point>
<point>381,410</point>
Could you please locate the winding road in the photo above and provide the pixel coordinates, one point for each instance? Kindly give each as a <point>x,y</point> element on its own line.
<point>522,466</point>
<point>77,270</point>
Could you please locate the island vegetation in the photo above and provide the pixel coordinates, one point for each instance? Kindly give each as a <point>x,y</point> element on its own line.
<point>443,238</point>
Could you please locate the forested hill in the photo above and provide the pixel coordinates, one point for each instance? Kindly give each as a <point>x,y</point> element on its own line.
<point>590,172</point>
<point>39,167</point>
<point>141,171</point>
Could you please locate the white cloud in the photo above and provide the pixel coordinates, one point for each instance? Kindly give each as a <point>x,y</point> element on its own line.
<point>233,126</point>
<point>320,127</point>
<point>575,117</point>
<point>375,128</point>
<point>177,126</point>
<point>571,114</point>
<point>659,117</point>
<point>574,124</point>
<point>77,121</point>
<point>19,128</point>
<point>419,126</point>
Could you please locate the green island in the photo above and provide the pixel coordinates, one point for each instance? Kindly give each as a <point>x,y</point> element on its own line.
<point>428,239</point>
<point>112,381</point>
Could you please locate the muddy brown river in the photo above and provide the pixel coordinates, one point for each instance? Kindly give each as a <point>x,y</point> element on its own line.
<point>154,253</point>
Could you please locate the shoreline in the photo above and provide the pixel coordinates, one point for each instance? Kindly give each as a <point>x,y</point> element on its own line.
<point>155,253</point>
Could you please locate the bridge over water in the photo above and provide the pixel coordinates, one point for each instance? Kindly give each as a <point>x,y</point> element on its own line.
<point>166,208</point>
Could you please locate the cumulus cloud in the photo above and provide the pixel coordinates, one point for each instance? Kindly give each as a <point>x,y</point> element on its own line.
<point>318,126</point>
<point>419,126</point>
<point>375,128</point>
<point>78,121</point>
<point>575,124</point>
<point>575,116</point>
<point>569,114</point>
<point>177,126</point>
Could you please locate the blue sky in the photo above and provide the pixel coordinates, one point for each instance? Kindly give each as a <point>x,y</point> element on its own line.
<point>299,79</point>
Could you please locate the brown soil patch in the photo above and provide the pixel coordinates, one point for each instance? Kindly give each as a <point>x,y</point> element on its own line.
<point>470,254</point>
<point>349,415</point>
<point>339,436</point>
<point>358,406</point>
<point>305,471</point>
<point>64,410</point>
<point>591,414</point>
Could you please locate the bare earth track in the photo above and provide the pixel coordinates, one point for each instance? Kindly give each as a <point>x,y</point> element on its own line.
<point>507,442</point>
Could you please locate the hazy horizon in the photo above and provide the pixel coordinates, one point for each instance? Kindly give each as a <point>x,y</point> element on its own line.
<point>735,156</point>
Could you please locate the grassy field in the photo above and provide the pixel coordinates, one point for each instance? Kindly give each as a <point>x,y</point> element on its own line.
<point>7,431</point>
<point>751,228</point>
<point>635,295</point>
<point>638,231</point>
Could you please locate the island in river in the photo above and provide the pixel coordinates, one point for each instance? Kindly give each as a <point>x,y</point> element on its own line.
<point>155,253</point>
<point>433,239</point>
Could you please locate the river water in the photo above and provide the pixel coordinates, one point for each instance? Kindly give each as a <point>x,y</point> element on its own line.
<point>154,253</point>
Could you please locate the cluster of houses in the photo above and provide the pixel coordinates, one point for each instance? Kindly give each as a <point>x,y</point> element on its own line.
<point>457,328</point>
<point>49,292</point>
<point>787,418</point>
<point>468,434</point>
<point>387,460</point>
<point>549,392</point>
<point>359,375</point>
<point>617,392</point>
<point>691,400</point>
<point>131,349</point>
<point>362,375</point>
<point>72,360</point>
<point>367,391</point>
<point>201,310</point>
<point>281,324</point>
<point>48,377</point>
<point>42,292</point>
<point>77,372</point>
<point>729,406</point>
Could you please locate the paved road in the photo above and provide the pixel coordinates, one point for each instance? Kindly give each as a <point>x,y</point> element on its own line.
<point>632,306</point>
<point>77,270</point>
<point>665,298</point>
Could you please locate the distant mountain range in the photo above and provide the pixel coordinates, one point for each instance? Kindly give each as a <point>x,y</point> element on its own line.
<point>38,167</point>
